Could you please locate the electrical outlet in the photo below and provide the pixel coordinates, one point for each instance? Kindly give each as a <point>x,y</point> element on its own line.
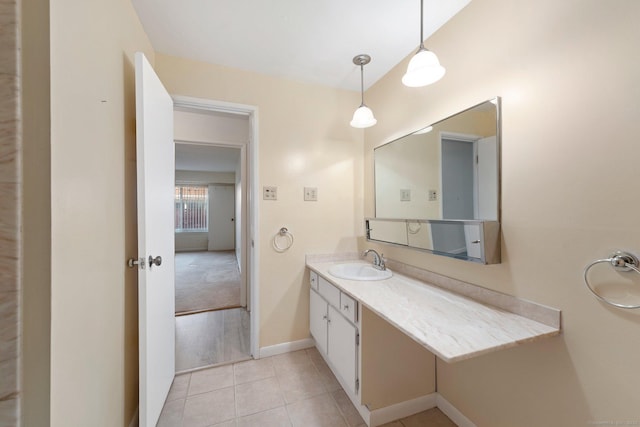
<point>405,195</point>
<point>311,194</point>
<point>433,195</point>
<point>269,193</point>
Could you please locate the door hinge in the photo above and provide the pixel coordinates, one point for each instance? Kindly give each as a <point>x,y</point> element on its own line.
<point>357,385</point>
<point>358,338</point>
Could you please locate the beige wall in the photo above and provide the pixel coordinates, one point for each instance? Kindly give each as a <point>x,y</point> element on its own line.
<point>568,74</point>
<point>36,251</point>
<point>197,126</point>
<point>304,140</point>
<point>94,360</point>
<point>187,241</point>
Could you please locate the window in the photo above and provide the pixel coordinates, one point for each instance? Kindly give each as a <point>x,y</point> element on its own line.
<point>191,208</point>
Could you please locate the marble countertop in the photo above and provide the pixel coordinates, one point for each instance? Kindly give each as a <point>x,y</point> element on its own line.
<point>452,326</point>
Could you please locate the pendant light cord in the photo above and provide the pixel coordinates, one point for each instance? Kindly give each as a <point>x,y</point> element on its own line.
<point>361,85</point>
<point>421,26</point>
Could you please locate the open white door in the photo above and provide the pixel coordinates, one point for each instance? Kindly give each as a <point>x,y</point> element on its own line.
<point>156,186</point>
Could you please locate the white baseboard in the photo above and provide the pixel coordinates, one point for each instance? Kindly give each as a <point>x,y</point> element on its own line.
<point>135,420</point>
<point>285,347</point>
<point>453,413</point>
<point>387,414</point>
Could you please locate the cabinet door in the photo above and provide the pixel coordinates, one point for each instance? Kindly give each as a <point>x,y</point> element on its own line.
<point>318,320</point>
<point>343,348</point>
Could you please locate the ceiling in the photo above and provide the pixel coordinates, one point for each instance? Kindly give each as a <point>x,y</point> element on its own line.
<point>302,40</point>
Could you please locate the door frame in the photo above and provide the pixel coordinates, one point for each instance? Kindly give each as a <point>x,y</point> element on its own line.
<point>250,240</point>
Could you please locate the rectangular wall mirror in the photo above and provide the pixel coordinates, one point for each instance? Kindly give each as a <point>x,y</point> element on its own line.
<point>438,189</point>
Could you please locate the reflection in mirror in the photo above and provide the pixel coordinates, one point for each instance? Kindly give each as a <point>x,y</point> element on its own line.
<point>449,170</point>
<point>438,189</point>
<point>388,231</point>
<point>470,240</point>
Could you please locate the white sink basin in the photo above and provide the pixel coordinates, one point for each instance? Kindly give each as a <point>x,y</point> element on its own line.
<point>358,271</point>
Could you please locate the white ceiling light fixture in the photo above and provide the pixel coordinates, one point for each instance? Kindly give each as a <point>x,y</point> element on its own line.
<point>363,116</point>
<point>424,68</point>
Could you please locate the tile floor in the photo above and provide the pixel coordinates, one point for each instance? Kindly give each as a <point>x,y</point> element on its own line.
<point>211,338</point>
<point>292,389</point>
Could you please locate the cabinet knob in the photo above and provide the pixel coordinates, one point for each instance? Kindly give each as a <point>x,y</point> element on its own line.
<point>346,306</point>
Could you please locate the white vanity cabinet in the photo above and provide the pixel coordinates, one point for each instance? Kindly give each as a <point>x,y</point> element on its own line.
<point>336,336</point>
<point>318,316</point>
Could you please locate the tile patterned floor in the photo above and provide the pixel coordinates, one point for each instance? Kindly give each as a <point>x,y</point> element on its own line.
<point>292,389</point>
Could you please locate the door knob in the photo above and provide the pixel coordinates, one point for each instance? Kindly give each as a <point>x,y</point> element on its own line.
<point>157,260</point>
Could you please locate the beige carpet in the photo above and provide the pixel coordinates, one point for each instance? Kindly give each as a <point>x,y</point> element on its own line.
<point>206,281</point>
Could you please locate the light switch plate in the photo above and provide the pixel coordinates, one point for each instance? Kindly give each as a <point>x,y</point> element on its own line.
<point>433,195</point>
<point>311,194</point>
<point>269,193</point>
<point>405,195</point>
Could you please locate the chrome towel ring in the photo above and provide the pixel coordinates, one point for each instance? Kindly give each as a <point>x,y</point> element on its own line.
<point>283,234</point>
<point>620,261</point>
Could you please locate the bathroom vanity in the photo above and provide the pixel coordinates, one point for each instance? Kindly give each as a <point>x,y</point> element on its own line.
<point>381,337</point>
<point>437,190</point>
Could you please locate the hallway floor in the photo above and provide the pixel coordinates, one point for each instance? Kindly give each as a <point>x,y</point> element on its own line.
<point>211,338</point>
<point>292,389</point>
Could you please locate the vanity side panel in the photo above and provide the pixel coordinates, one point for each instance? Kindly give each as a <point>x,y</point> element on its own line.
<point>394,368</point>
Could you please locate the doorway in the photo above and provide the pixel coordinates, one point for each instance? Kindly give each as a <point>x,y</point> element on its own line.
<point>469,176</point>
<point>214,261</point>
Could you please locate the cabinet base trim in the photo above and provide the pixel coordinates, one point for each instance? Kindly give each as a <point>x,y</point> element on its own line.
<point>286,347</point>
<point>453,413</point>
<point>387,414</point>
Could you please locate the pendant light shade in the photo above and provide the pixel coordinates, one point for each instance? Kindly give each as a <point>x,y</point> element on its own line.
<point>424,68</point>
<point>363,116</point>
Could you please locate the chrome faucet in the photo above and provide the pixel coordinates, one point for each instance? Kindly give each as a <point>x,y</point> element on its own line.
<point>378,260</point>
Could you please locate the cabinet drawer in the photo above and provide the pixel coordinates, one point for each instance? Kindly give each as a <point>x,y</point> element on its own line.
<point>313,279</point>
<point>348,307</point>
<point>329,292</point>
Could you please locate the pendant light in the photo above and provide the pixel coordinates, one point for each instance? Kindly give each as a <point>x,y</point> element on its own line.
<point>424,68</point>
<point>363,116</point>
